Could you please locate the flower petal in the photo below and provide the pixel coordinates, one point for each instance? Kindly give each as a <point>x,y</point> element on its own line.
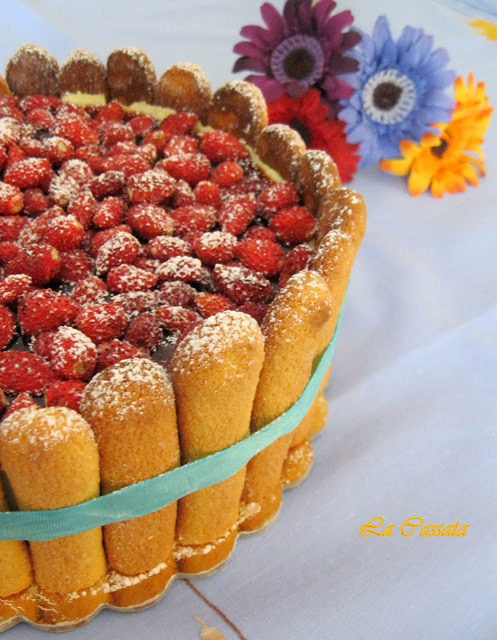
<point>248,64</point>
<point>274,20</point>
<point>271,89</point>
<point>248,49</point>
<point>381,34</point>
<point>259,36</point>
<point>321,12</point>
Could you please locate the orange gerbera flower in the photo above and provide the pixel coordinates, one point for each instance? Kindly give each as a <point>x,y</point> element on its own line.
<point>445,163</point>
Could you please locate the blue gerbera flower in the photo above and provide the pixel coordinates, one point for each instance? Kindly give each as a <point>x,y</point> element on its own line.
<point>399,91</point>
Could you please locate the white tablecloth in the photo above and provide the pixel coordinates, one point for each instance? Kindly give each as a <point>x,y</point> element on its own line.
<point>413,399</point>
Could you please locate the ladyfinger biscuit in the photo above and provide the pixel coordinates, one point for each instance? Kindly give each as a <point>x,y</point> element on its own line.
<point>130,407</point>
<point>51,461</point>
<point>297,464</point>
<point>344,214</point>
<point>291,330</point>
<point>215,372</point>
<point>281,148</point>
<point>82,72</point>
<point>239,108</point>
<point>184,87</point>
<point>4,87</point>
<point>317,177</point>
<point>32,70</point>
<point>131,76</point>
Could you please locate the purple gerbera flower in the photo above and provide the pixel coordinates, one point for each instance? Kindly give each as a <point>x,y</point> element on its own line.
<point>301,48</point>
<point>399,92</point>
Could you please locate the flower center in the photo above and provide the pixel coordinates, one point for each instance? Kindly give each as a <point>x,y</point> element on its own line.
<point>440,149</point>
<point>301,129</point>
<point>298,58</point>
<point>389,97</point>
<point>386,95</point>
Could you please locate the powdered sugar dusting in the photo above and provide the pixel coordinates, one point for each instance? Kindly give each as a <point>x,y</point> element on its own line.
<point>45,428</point>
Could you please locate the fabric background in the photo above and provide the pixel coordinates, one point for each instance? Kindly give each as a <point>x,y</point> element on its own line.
<point>413,403</point>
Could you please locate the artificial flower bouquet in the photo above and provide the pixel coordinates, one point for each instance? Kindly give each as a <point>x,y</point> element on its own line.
<point>368,99</point>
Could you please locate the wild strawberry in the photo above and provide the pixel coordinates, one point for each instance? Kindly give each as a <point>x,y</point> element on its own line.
<point>110,183</point>
<point>42,344</point>
<point>29,173</point>
<point>11,199</point>
<point>264,256</point>
<point>15,154</point>
<point>10,131</point>
<point>113,132</point>
<point>183,195</point>
<point>75,265</point>
<point>38,101</point>
<point>41,262</point>
<point>153,186</point>
<point>255,309</point>
<point>64,233</point>
<point>73,355</point>
<point>102,322</point>
<point>298,259</point>
<point>78,170</point>
<point>178,123</point>
<point>165,247</point>
<point>24,372</point>
<point>280,195</point>
<point>147,264</point>
<point>126,278</point>
<point>65,393</point>
<point>181,144</point>
<point>219,146</point>
<point>236,214</point>
<point>8,251</point>
<point>7,111</point>
<point>129,164</point>
<point>113,351</point>
<point>45,310</point>
<point>7,326</point>
<point>12,287</point>
<point>241,284</point>
<point>208,304</point>
<point>57,150</point>
<point>207,192</point>
<point>194,218</point>
<point>40,119</point>
<point>3,157</point>
<point>293,225</point>
<point>227,173</point>
<point>176,319</point>
<point>109,212</point>
<point>35,202</point>
<point>148,152</point>
<point>111,112</point>
<point>176,293</point>
<point>141,125</point>
<point>259,233</point>
<point>188,166</point>
<point>137,301</point>
<point>122,248</point>
<point>22,401</point>
<point>91,290</point>
<point>11,226</point>
<point>72,127</point>
<point>8,100</point>
<point>144,332</point>
<point>216,246</point>
<point>149,221</point>
<point>182,268</point>
<point>157,139</point>
<point>101,237</point>
<point>31,147</point>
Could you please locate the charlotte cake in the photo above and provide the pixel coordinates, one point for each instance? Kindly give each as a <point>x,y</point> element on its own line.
<point>172,269</point>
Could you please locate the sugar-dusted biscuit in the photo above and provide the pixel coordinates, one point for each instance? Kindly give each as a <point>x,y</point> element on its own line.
<point>291,330</point>
<point>51,461</point>
<point>131,76</point>
<point>215,372</point>
<point>32,70</point>
<point>131,409</point>
<point>317,177</point>
<point>184,87</point>
<point>282,148</point>
<point>239,108</point>
<point>82,72</point>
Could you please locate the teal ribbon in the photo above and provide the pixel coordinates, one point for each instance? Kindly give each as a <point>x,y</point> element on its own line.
<point>151,495</point>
